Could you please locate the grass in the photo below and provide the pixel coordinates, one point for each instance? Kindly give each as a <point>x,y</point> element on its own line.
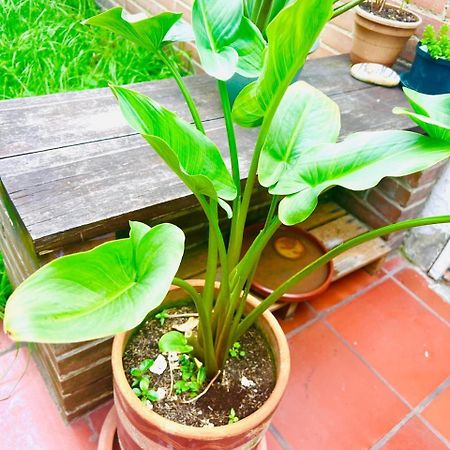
<point>5,287</point>
<point>45,49</point>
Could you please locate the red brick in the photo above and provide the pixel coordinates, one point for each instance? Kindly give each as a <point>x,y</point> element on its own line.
<point>402,193</point>
<point>426,176</point>
<point>436,6</point>
<point>390,210</point>
<point>360,208</point>
<point>336,38</point>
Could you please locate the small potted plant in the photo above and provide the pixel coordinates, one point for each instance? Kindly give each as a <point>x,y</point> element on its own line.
<point>381,31</point>
<point>430,71</point>
<point>200,364</point>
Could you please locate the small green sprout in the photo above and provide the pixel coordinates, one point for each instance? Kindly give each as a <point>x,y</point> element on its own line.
<point>162,316</point>
<point>139,372</point>
<point>236,352</point>
<point>232,418</point>
<point>192,377</point>
<point>144,392</point>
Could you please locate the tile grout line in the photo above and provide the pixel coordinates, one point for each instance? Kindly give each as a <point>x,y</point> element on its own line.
<point>279,437</point>
<point>415,412</point>
<point>323,314</point>
<point>419,300</point>
<point>434,431</point>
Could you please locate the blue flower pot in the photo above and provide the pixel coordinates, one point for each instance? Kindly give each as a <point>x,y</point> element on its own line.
<point>428,75</point>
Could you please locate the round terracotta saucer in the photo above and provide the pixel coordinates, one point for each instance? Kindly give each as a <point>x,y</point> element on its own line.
<point>289,250</point>
<point>108,435</point>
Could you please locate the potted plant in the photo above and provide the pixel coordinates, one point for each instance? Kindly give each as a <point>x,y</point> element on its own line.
<point>165,369</point>
<point>430,71</point>
<point>381,31</point>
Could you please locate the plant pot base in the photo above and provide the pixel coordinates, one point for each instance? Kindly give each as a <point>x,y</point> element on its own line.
<point>108,435</point>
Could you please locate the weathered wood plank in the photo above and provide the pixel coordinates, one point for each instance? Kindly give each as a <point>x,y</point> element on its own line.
<point>95,188</point>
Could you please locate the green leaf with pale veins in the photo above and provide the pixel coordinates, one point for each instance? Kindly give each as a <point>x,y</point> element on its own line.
<point>357,163</point>
<point>189,153</point>
<point>98,293</point>
<point>226,41</point>
<point>290,37</point>
<point>148,32</point>
<point>174,341</point>
<point>431,113</point>
<point>305,117</point>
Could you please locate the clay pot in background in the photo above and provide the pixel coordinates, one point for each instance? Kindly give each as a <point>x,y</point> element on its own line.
<point>141,428</point>
<point>379,40</point>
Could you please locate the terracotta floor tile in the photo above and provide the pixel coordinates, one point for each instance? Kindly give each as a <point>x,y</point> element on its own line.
<point>303,314</point>
<point>272,443</point>
<point>333,401</point>
<point>343,288</point>
<point>414,435</point>
<point>402,340</point>
<point>438,413</point>
<point>392,263</point>
<point>418,283</point>
<point>97,417</point>
<point>30,417</point>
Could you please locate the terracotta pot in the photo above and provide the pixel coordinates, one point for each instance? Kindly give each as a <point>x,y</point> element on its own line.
<point>141,428</point>
<point>379,40</point>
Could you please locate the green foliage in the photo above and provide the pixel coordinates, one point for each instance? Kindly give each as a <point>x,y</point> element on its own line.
<point>162,316</point>
<point>192,377</point>
<point>140,372</point>
<point>5,287</point>
<point>232,418</point>
<point>290,37</point>
<point>430,112</point>
<point>236,351</point>
<point>44,48</point>
<point>101,292</point>
<point>438,44</point>
<point>113,287</point>
<point>174,341</point>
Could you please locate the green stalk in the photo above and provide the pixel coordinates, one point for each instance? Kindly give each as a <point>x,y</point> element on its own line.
<point>345,7</point>
<point>184,90</point>
<point>208,343</point>
<point>263,14</point>
<point>284,287</point>
<point>224,98</point>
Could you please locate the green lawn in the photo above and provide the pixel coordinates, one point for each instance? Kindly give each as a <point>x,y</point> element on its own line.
<point>45,49</point>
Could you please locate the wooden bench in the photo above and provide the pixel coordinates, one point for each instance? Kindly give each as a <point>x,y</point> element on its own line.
<point>73,174</point>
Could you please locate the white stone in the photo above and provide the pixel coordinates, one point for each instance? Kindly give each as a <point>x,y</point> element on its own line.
<point>375,74</point>
<point>246,382</point>
<point>188,326</point>
<point>161,394</point>
<point>159,366</point>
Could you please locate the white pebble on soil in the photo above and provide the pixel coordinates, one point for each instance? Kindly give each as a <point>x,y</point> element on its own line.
<point>246,382</point>
<point>159,366</point>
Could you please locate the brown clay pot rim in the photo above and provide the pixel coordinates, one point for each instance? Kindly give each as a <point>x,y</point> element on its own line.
<point>296,298</point>
<point>171,427</point>
<point>389,22</point>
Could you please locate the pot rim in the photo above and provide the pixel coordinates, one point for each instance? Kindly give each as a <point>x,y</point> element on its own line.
<point>426,55</point>
<point>297,298</point>
<point>389,22</point>
<point>250,422</point>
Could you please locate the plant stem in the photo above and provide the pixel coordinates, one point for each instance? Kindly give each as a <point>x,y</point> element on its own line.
<point>345,7</point>
<point>284,287</point>
<point>225,99</point>
<point>208,343</point>
<point>184,90</point>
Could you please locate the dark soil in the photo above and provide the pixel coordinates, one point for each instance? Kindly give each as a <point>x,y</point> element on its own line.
<point>388,12</point>
<point>226,393</point>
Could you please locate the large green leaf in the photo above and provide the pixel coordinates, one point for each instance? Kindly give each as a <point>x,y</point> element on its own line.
<point>148,32</point>
<point>431,112</point>
<point>224,37</point>
<point>357,163</point>
<point>98,293</point>
<point>305,117</point>
<point>189,153</point>
<point>290,37</point>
